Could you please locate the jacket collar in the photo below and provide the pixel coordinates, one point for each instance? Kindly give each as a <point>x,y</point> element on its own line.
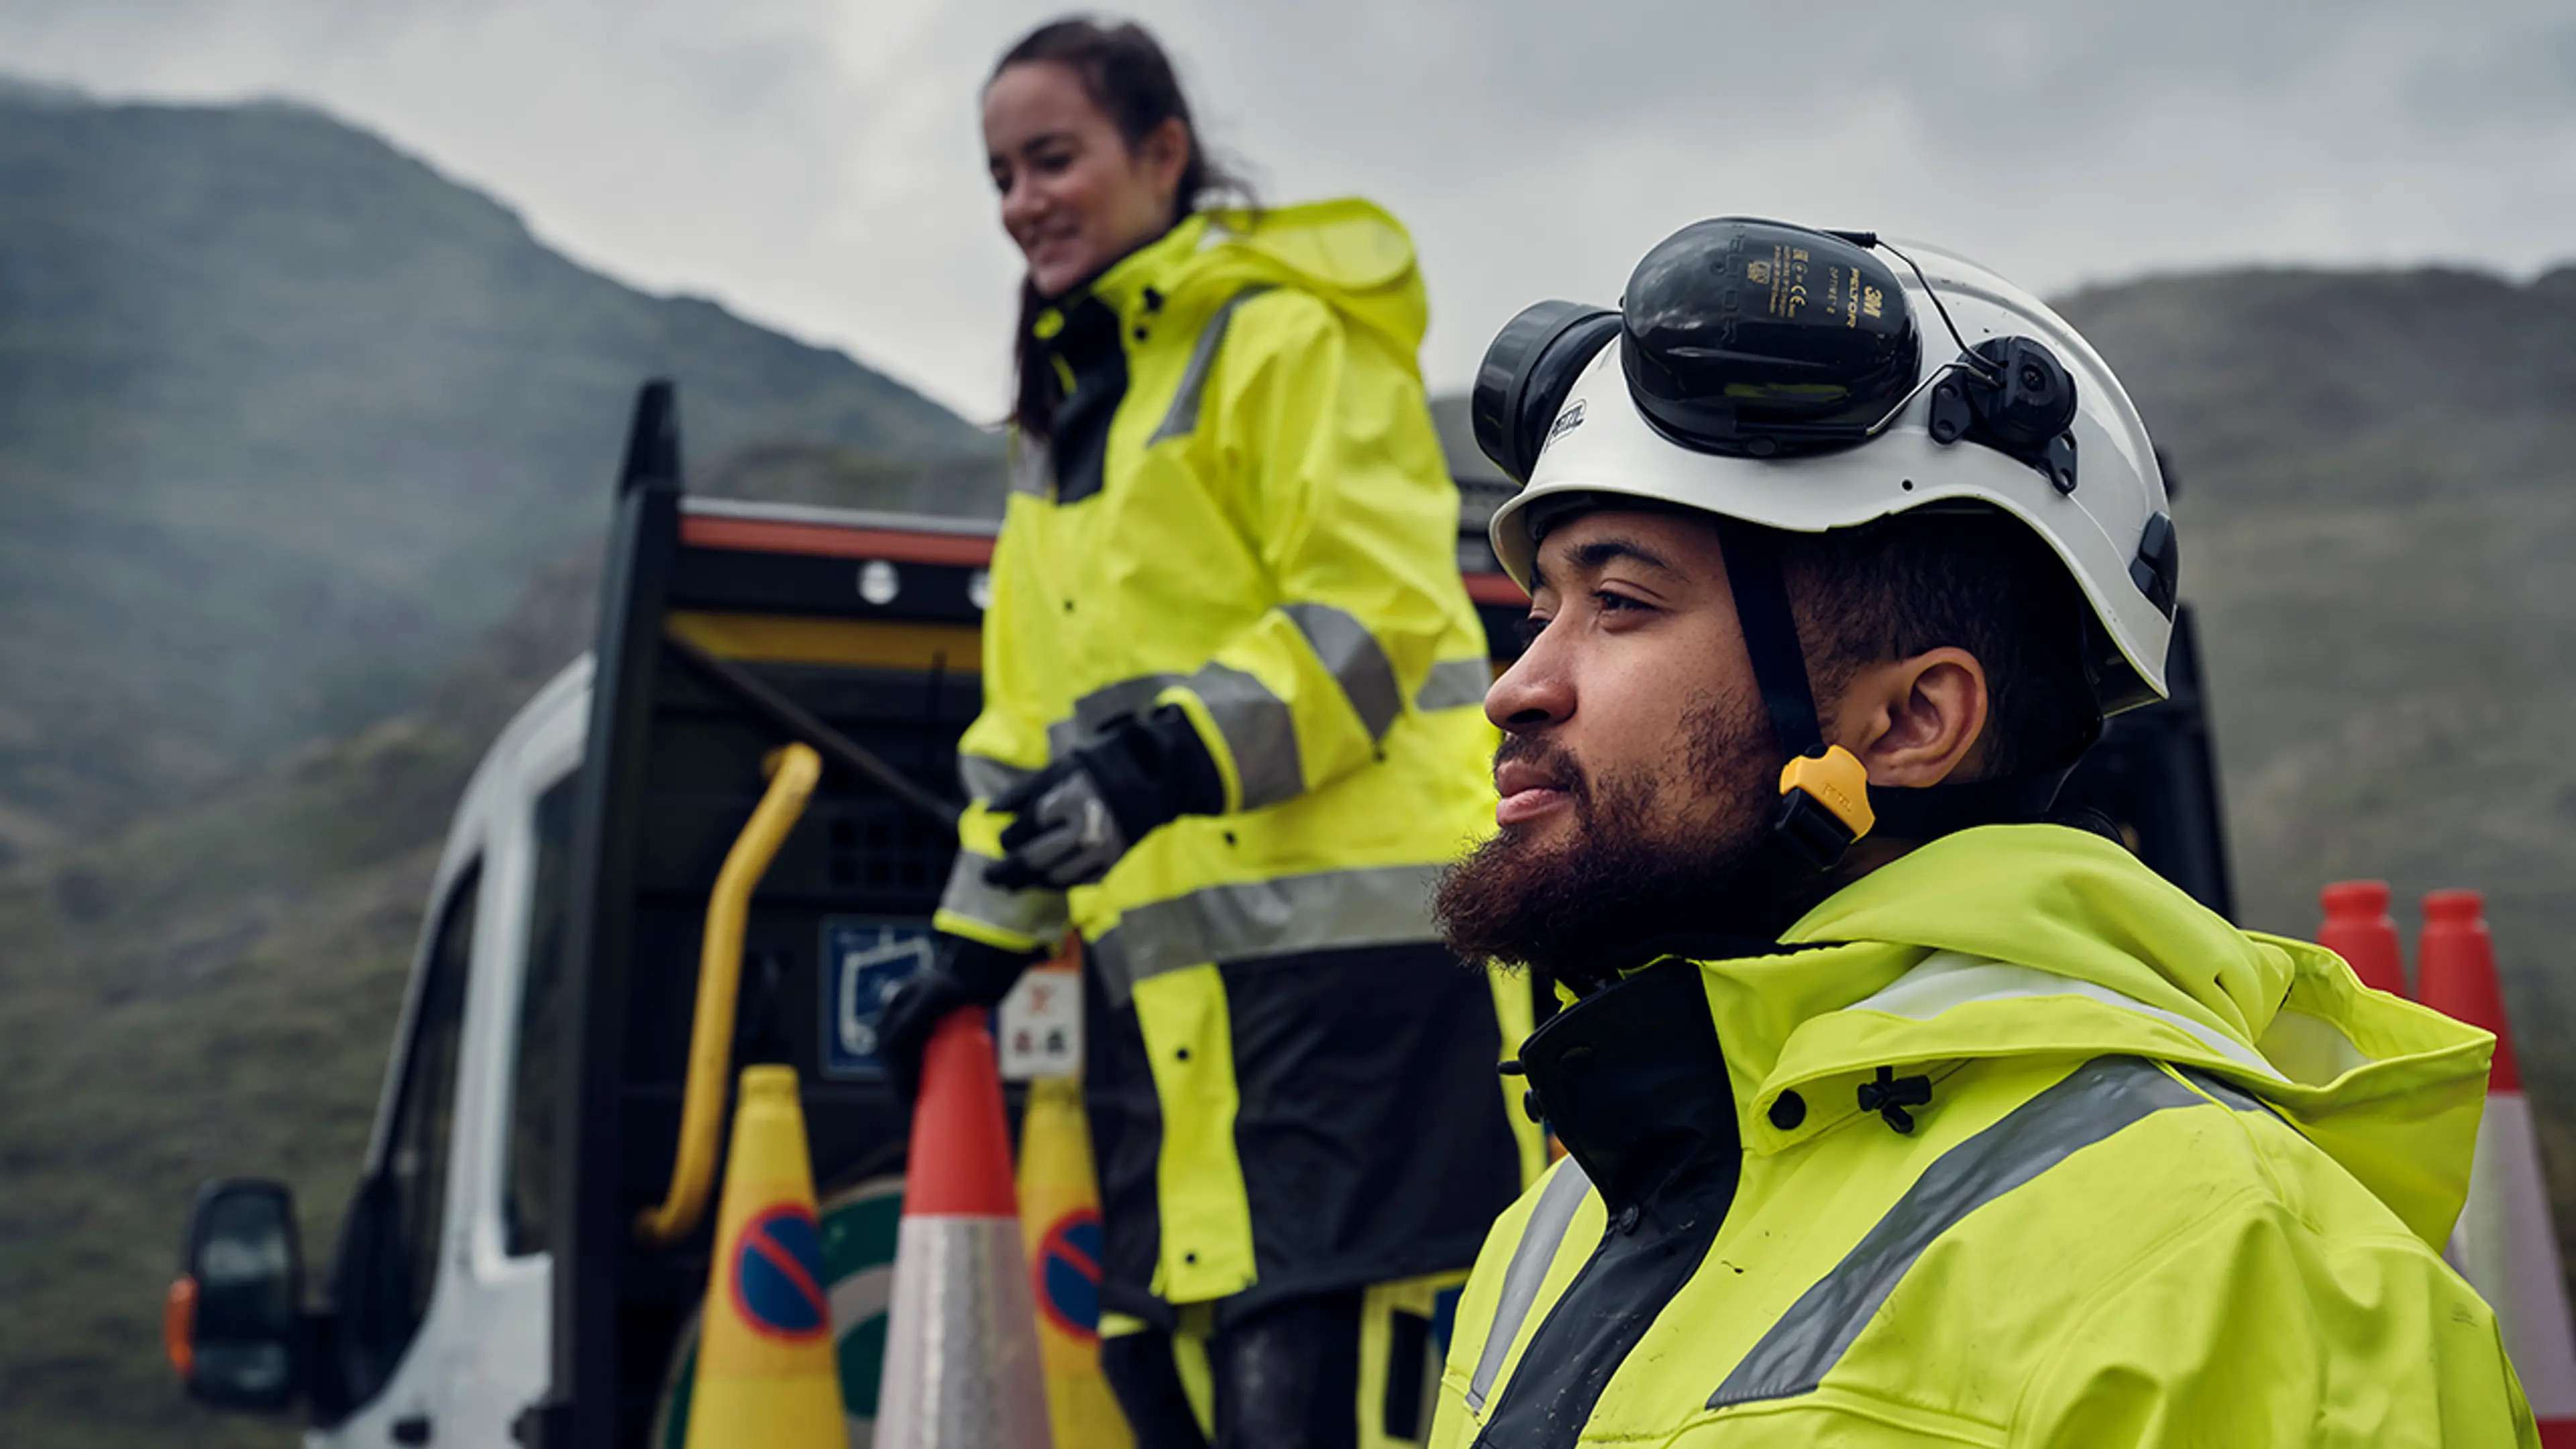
<point>1633,1082</point>
<point>1134,286</point>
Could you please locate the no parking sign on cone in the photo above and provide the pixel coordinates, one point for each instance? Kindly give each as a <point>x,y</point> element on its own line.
<point>766,1377</point>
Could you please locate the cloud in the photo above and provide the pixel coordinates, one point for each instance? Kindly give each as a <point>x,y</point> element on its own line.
<point>816,165</point>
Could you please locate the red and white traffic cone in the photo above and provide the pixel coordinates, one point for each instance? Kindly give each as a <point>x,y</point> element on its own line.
<point>2357,928</point>
<point>2504,1245</point>
<point>961,1365</point>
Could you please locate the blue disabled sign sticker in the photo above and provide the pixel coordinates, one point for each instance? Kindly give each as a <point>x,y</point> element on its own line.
<point>863,962</point>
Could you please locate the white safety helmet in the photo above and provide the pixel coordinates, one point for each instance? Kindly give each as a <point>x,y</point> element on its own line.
<point>1807,380</point>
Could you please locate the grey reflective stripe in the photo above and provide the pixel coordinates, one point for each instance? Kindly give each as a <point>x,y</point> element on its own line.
<point>1184,414</point>
<point>1035,914</point>
<point>1249,920</point>
<point>1531,1258</point>
<point>1454,684</point>
<point>2228,1092</point>
<point>1259,732</point>
<point>987,779</point>
<point>1099,707</point>
<point>1351,655</point>
<point>2093,1102</point>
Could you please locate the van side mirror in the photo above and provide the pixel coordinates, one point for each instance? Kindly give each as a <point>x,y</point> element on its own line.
<point>234,1326</point>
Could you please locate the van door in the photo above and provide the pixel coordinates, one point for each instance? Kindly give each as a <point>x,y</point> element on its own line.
<point>386,1349</point>
<point>507,1160</point>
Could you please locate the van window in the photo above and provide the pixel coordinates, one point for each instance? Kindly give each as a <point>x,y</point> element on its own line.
<point>536,1068</point>
<point>416,1153</point>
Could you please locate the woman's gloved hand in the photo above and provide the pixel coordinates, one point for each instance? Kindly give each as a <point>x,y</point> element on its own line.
<point>1077,816</point>
<point>965,973</point>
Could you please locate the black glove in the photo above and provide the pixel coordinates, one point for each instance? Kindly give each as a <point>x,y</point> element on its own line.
<point>965,973</point>
<point>1080,814</point>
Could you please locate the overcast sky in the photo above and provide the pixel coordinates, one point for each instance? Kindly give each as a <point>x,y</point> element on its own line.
<point>817,164</point>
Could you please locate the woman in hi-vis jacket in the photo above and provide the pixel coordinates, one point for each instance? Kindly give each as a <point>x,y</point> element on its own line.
<point>1231,733</point>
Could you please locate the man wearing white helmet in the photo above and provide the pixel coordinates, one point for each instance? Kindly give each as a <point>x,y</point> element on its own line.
<point>1896,1113</point>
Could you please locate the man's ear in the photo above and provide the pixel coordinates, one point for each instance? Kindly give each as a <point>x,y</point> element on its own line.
<point>1916,721</point>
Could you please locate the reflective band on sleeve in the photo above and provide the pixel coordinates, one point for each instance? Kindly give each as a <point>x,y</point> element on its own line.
<point>1531,1258</point>
<point>1099,707</point>
<point>1183,418</point>
<point>1036,915</point>
<point>2093,1102</point>
<point>1351,654</point>
<point>987,779</point>
<point>1454,684</point>
<point>1248,920</point>
<point>1259,732</point>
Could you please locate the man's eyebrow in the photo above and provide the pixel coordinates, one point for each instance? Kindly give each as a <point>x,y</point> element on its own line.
<point>1600,552</point>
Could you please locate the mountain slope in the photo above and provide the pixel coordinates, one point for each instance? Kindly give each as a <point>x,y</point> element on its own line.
<point>286,418</point>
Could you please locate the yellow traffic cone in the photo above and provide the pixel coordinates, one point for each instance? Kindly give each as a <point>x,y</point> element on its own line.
<point>1060,1227</point>
<point>766,1376</point>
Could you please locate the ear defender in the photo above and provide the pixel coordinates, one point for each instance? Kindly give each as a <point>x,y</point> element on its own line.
<point>1528,368</point>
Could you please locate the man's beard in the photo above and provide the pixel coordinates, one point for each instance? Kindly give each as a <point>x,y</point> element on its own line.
<point>1578,911</point>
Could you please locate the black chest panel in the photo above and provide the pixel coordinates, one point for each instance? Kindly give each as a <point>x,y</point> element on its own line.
<point>1089,349</point>
<point>1633,1081</point>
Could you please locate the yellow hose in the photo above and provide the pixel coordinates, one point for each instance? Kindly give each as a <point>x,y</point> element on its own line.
<point>792,772</point>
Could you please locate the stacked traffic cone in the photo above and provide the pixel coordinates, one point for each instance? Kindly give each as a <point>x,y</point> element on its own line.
<point>1060,1208</point>
<point>2357,928</point>
<point>2504,1245</point>
<point>766,1377</point>
<point>961,1367</point>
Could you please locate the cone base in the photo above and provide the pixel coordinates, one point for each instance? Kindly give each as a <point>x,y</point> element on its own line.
<point>961,1367</point>
<point>767,1414</point>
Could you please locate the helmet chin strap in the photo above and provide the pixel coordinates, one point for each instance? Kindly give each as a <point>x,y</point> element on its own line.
<point>1826,801</point>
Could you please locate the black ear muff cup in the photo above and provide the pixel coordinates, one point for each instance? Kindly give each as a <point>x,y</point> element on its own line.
<point>1523,380</point>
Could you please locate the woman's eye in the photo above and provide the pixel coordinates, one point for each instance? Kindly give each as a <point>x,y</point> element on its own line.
<point>1617,603</point>
<point>1529,629</point>
<point>1054,162</point>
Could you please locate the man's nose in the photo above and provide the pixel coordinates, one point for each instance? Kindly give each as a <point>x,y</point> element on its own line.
<point>1533,694</point>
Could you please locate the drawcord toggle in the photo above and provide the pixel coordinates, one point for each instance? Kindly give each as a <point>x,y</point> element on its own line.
<point>1891,1094</point>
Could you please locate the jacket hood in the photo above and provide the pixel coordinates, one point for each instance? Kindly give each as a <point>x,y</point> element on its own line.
<point>2038,940</point>
<point>1348,253</point>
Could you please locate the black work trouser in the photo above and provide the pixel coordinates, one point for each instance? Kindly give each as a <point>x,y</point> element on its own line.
<point>1286,1376</point>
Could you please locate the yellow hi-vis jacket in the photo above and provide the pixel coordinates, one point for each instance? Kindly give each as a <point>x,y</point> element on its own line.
<point>2012,1144</point>
<point>1244,511</point>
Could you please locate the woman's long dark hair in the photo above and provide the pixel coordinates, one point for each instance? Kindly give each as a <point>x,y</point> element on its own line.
<point>1127,75</point>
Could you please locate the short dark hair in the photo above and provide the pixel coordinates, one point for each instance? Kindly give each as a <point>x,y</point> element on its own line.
<point>1126,74</point>
<point>1978,580</point>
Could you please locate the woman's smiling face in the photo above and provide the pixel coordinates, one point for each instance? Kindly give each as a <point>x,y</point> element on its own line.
<point>1076,196</point>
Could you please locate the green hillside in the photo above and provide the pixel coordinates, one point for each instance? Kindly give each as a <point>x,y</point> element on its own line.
<point>287,418</point>
<point>212,992</point>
